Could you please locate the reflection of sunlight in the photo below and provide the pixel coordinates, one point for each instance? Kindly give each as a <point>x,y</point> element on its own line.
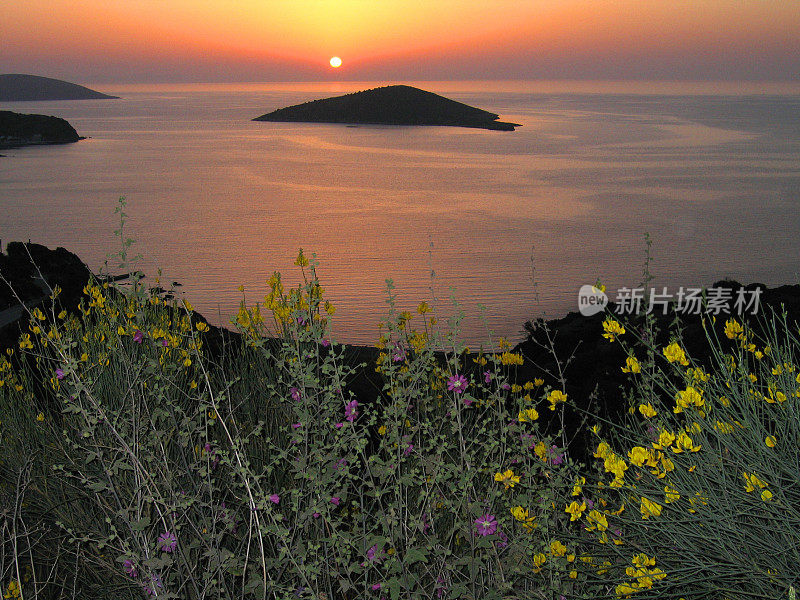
<point>691,135</point>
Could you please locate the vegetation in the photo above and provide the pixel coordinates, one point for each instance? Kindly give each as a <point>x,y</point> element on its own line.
<point>135,462</point>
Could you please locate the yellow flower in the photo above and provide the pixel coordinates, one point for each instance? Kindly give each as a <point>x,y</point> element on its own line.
<point>647,410</point>
<point>688,397</point>
<point>508,479</point>
<point>575,510</point>
<point>632,365</point>
<point>508,358</point>
<point>770,441</point>
<point>670,495</point>
<point>612,329</point>
<point>538,560</point>
<point>555,397</point>
<point>766,495</point>
<point>540,382</point>
<point>578,487</point>
<point>40,417</point>
<point>650,508</point>
<point>202,326</point>
<point>301,260</point>
<point>733,329</point>
<point>752,482</point>
<point>638,456</point>
<point>528,414</point>
<point>423,308</point>
<point>557,548</point>
<point>675,354</point>
<point>596,520</point>
<point>382,430</point>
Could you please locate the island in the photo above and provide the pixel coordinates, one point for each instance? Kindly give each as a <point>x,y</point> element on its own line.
<point>24,88</point>
<point>390,105</point>
<point>24,130</point>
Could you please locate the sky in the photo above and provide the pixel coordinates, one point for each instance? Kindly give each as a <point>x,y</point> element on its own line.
<point>139,41</point>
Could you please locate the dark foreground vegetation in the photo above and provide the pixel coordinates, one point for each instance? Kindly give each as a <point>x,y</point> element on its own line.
<point>144,453</point>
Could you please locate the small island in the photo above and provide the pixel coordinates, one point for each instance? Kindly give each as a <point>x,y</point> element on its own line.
<point>390,105</point>
<point>25,130</point>
<point>24,88</point>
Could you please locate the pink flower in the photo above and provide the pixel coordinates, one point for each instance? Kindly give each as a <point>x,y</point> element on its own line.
<point>297,425</point>
<point>338,425</point>
<point>351,410</point>
<point>457,383</point>
<point>335,500</point>
<point>130,568</point>
<point>316,515</point>
<point>167,541</point>
<point>325,342</point>
<point>295,394</point>
<point>376,587</point>
<point>468,401</point>
<point>486,525</point>
<point>487,377</point>
<point>138,336</point>
<point>274,498</point>
<point>408,449</point>
<point>59,374</point>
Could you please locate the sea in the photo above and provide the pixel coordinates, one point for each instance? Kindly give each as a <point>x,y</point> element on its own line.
<point>491,228</point>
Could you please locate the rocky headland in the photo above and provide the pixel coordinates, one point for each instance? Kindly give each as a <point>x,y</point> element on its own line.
<point>24,88</point>
<point>390,105</point>
<point>18,129</point>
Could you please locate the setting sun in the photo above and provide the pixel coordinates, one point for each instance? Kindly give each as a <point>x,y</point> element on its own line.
<point>336,62</point>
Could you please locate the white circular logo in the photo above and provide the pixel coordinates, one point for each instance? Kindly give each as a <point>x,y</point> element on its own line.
<point>591,300</point>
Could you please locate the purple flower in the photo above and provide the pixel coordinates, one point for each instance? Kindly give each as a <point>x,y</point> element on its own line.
<point>457,383</point>
<point>338,425</point>
<point>156,583</point>
<point>408,449</point>
<point>487,376</point>
<point>399,353</point>
<point>371,553</point>
<point>138,336</point>
<point>274,498</point>
<point>167,541</point>
<point>129,568</point>
<point>556,457</point>
<point>503,539</point>
<point>316,515</point>
<point>325,342</point>
<point>351,410</point>
<point>506,386</point>
<point>376,587</point>
<point>59,374</point>
<point>335,500</point>
<point>164,342</point>
<point>468,401</point>
<point>486,525</point>
<point>295,394</point>
<point>342,462</point>
<point>207,447</point>
<point>296,425</point>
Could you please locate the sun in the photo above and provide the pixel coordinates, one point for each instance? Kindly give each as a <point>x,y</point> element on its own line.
<point>336,62</point>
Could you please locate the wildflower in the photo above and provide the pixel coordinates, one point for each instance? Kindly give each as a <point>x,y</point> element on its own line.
<point>130,568</point>
<point>167,541</point>
<point>376,587</point>
<point>647,410</point>
<point>557,548</point>
<point>408,449</point>
<point>296,425</point>
<point>301,260</point>
<point>487,377</point>
<point>508,479</point>
<point>59,374</point>
<point>596,520</point>
<point>733,329</point>
<point>457,383</point>
<point>770,441</point>
<point>382,430</point>
<point>688,397</point>
<point>40,417</point>
<point>423,308</point>
<point>649,508</point>
<point>351,410</point>
<point>486,525</point>
<point>508,358</point>
<point>538,382</point>
<point>335,500</point>
<point>575,510</point>
<point>274,498</point>
<point>556,457</point>
<point>295,394</point>
<point>675,354</point>
<point>555,397</point>
<point>528,414</point>
<point>612,329</point>
<point>632,365</point>
<point>671,495</point>
<point>538,560</point>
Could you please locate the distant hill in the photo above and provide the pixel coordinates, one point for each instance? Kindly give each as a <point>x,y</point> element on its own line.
<point>390,105</point>
<point>24,130</point>
<point>18,88</point>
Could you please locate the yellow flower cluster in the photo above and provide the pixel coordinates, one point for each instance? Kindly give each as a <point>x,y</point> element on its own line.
<point>643,572</point>
<point>612,329</point>
<point>508,479</point>
<point>675,354</point>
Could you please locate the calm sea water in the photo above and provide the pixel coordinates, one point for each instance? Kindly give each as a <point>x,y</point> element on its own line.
<point>515,222</point>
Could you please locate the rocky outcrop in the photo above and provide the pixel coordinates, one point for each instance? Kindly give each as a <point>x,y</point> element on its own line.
<point>21,88</point>
<point>390,105</point>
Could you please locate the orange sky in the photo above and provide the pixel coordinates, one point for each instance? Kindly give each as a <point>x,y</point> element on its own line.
<point>262,40</point>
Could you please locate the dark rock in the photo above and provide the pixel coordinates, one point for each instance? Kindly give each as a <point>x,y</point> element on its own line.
<point>390,105</point>
<point>22,130</point>
<point>18,88</point>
